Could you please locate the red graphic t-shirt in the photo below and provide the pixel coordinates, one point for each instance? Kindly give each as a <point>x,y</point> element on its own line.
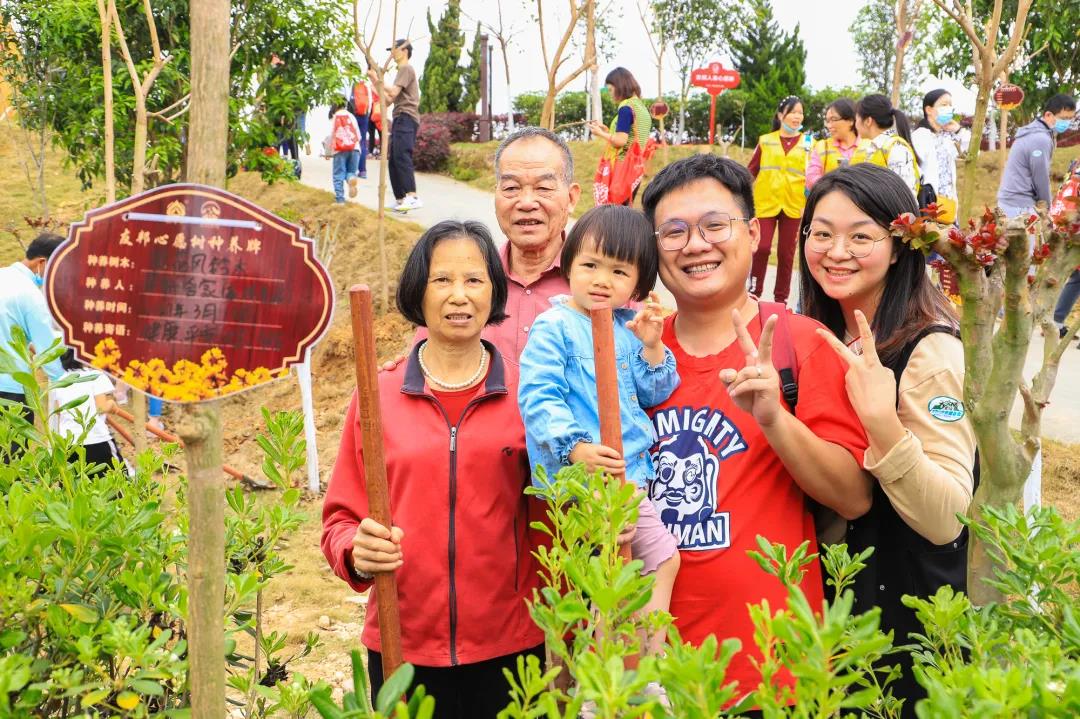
<point>719,484</point>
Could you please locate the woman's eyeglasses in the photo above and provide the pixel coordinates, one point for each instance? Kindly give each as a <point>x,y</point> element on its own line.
<point>858,244</point>
<point>714,227</point>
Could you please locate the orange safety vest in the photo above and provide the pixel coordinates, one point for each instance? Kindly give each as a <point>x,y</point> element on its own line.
<point>781,181</point>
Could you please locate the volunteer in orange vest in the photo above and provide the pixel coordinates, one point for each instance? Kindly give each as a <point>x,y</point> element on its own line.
<point>779,170</point>
<point>360,106</point>
<point>839,148</point>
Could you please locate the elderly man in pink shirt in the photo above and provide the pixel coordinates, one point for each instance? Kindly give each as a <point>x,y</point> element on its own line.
<point>534,195</point>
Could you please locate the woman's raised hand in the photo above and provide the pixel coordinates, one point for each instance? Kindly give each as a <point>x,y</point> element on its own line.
<point>871,386</point>
<point>376,548</point>
<point>756,387</point>
<point>648,323</point>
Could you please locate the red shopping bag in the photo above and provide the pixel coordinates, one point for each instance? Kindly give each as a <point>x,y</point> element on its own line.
<point>602,182</point>
<point>625,174</point>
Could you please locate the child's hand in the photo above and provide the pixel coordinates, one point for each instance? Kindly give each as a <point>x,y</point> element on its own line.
<point>648,324</point>
<point>597,456</point>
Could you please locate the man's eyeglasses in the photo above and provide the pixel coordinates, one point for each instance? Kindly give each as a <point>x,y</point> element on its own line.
<point>857,244</point>
<point>714,227</point>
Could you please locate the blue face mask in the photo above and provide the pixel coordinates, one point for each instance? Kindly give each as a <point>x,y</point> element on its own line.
<point>39,280</point>
<point>945,116</point>
<point>1061,126</point>
<point>791,129</point>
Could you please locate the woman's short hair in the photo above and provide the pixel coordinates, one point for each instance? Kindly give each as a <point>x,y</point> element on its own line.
<point>620,232</point>
<point>910,302</point>
<point>624,83</point>
<point>414,276</point>
<point>844,109</point>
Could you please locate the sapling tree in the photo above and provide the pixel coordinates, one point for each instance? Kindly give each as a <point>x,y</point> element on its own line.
<point>556,55</point>
<point>991,259</point>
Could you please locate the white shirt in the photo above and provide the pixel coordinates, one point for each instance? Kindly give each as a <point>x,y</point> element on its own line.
<point>937,160</point>
<point>70,422</point>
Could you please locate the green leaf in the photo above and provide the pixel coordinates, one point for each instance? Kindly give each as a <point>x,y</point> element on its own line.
<point>94,697</point>
<point>145,686</point>
<point>394,688</point>
<point>81,612</point>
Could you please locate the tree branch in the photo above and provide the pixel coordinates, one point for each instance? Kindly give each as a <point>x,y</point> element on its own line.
<point>963,19</point>
<point>1017,34</point>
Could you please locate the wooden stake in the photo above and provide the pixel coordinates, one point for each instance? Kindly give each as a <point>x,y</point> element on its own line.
<point>607,385</point>
<point>367,392</point>
<point>200,425</point>
<point>168,437</point>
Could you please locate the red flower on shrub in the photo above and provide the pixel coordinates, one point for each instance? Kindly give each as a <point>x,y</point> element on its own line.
<point>956,237</point>
<point>269,151</point>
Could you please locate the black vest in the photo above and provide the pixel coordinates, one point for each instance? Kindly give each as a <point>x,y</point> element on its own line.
<point>903,562</point>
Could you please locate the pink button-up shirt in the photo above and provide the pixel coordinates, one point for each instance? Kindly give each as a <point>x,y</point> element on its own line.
<point>524,302</point>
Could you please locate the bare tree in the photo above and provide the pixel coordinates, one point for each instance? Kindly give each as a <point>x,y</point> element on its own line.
<point>365,41</point>
<point>504,36</point>
<point>555,60</point>
<point>906,13</point>
<point>989,66</point>
<point>658,43</point>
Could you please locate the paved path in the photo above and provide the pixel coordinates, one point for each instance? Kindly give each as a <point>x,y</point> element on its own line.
<point>445,198</point>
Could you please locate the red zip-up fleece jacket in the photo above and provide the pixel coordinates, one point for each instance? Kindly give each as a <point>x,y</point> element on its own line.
<point>456,490</point>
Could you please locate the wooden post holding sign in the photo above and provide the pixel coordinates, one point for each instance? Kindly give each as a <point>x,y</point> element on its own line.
<point>607,385</point>
<point>1007,97</point>
<point>367,399</point>
<point>715,79</point>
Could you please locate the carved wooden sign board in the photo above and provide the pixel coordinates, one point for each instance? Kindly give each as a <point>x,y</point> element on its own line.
<point>188,292</point>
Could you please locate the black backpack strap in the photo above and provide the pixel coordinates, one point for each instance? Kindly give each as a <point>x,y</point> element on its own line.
<point>783,351</point>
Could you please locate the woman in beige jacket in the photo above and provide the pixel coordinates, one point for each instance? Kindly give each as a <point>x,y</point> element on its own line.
<point>900,339</point>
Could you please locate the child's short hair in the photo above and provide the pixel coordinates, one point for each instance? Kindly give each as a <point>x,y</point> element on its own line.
<point>619,232</point>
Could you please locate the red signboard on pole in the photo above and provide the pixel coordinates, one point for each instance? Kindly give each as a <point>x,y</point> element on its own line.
<point>188,292</point>
<point>1008,97</point>
<point>715,79</point>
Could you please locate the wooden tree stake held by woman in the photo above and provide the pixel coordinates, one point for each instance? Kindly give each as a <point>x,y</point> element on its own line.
<point>607,385</point>
<point>367,397</point>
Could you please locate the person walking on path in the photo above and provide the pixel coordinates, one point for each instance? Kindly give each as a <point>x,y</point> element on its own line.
<point>733,460</point>
<point>460,546</point>
<point>839,148</point>
<point>360,105</point>
<point>900,339</point>
<point>779,168</point>
<point>937,147</point>
<point>1026,180</point>
<point>343,145</point>
<point>404,94</point>
<point>888,139</point>
<point>632,123</point>
<point>22,305</point>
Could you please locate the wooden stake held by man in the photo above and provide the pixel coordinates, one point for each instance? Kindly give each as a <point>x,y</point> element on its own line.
<point>607,385</point>
<point>367,393</point>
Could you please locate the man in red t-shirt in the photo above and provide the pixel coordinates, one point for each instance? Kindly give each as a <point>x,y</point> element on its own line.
<point>732,461</point>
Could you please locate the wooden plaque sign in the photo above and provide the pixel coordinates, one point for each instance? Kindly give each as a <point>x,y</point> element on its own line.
<point>1008,96</point>
<point>188,292</point>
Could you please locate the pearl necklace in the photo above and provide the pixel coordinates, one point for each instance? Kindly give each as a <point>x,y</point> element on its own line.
<point>452,385</point>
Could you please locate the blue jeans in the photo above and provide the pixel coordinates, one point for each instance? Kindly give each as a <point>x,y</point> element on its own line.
<point>154,406</point>
<point>1069,294</point>
<point>346,166</point>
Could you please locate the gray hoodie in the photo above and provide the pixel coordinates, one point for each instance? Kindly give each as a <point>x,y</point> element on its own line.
<point>1027,171</point>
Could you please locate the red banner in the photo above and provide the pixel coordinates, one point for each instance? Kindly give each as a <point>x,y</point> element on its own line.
<point>188,292</point>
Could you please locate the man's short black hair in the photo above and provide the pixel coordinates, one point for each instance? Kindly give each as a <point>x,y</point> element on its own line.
<point>1058,103</point>
<point>619,232</point>
<point>43,245</point>
<point>68,361</point>
<point>730,174</point>
<point>414,277</point>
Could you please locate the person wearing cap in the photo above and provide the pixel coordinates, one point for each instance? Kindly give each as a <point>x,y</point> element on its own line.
<point>404,94</point>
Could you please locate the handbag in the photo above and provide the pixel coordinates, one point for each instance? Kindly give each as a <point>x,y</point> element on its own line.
<point>602,182</point>
<point>616,181</point>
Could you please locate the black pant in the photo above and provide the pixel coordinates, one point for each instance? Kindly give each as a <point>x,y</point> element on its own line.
<point>467,691</point>
<point>15,451</point>
<point>373,141</point>
<point>402,142</point>
<point>100,453</point>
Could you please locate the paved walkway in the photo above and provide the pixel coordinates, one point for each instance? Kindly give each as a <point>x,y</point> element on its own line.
<point>445,198</point>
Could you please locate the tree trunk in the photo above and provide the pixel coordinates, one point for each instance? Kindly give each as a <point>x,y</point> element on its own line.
<point>138,163</point>
<point>547,112</point>
<point>110,130</point>
<point>384,163</point>
<point>509,96</point>
<point>200,428</point>
<point>1003,150</point>
<point>971,166</point>
<point>901,47</point>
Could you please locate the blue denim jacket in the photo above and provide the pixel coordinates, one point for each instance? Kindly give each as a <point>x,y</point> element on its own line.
<point>557,392</point>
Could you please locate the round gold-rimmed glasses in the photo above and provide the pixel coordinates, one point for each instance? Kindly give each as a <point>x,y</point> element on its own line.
<point>714,227</point>
<point>858,244</point>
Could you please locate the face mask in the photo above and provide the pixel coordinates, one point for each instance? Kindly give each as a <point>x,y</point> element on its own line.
<point>944,115</point>
<point>39,280</point>
<point>1061,126</point>
<point>791,129</point>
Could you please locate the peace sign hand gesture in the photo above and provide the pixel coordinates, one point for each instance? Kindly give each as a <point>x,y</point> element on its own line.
<point>871,386</point>
<point>756,387</point>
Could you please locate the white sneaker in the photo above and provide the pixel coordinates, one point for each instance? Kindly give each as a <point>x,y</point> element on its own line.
<point>411,202</point>
<point>392,203</point>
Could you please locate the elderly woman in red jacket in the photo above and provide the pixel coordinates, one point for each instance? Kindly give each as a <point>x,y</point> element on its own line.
<point>456,467</point>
